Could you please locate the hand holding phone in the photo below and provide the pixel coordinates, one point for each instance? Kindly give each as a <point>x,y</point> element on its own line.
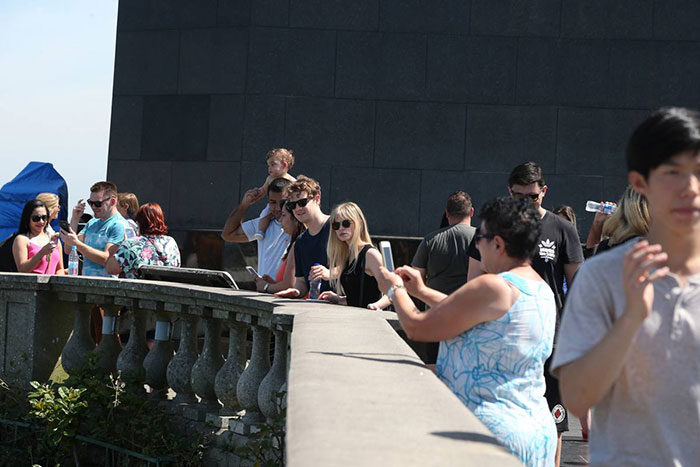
<point>385,249</point>
<point>65,226</point>
<point>252,271</point>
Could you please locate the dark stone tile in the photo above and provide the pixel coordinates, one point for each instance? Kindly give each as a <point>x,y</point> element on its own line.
<point>291,61</point>
<point>225,128</point>
<point>146,62</point>
<point>334,14</point>
<point>678,87</point>
<point>515,18</point>
<point>234,12</point>
<point>593,141</point>
<point>560,192</point>
<point>436,186</point>
<point>376,65</point>
<point>448,16</point>
<point>125,128</point>
<point>471,69</point>
<point>271,12</point>
<point>677,19</point>
<point>149,181</point>
<point>165,14</point>
<point>217,193</point>
<point>253,175</point>
<point>331,131</point>
<point>569,72</point>
<point>213,61</point>
<point>499,138</point>
<point>420,136</point>
<point>623,19</point>
<point>613,187</point>
<point>264,126</point>
<point>175,128</point>
<point>396,213</point>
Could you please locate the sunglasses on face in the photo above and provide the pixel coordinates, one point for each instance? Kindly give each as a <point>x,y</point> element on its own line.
<point>346,223</point>
<point>532,196</point>
<point>97,204</point>
<point>291,205</point>
<point>487,236</point>
<point>37,218</point>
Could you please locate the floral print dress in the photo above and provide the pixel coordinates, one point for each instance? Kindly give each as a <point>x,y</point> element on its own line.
<point>152,250</point>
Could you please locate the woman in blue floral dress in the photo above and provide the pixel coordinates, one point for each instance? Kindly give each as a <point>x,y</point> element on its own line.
<point>496,331</point>
<point>152,247</point>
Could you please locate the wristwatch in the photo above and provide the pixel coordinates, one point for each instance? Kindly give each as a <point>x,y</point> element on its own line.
<point>267,286</point>
<point>390,292</point>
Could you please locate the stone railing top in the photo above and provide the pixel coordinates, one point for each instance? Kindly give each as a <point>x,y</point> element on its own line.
<point>216,302</point>
<point>360,396</point>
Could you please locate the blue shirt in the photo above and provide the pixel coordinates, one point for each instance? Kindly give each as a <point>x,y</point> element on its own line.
<point>97,234</point>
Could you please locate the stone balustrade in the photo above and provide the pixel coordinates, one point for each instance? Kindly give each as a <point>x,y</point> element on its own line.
<point>349,372</point>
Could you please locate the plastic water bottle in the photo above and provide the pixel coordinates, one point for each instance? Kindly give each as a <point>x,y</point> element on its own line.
<point>315,287</point>
<point>606,208</point>
<point>73,260</point>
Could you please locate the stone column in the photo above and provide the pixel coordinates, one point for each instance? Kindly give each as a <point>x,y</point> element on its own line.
<point>207,365</point>
<point>227,378</point>
<point>249,382</point>
<point>130,361</point>
<point>275,378</point>
<point>180,367</point>
<point>158,358</point>
<point>80,342</point>
<point>109,347</point>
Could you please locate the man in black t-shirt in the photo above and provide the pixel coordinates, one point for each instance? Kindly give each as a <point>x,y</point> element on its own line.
<point>558,257</point>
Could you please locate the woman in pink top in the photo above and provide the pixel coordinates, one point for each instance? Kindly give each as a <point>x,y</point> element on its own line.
<point>34,249</point>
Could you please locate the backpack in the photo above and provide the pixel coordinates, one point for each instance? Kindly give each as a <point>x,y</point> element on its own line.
<point>7,259</point>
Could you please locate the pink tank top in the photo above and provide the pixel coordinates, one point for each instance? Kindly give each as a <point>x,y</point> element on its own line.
<point>41,267</point>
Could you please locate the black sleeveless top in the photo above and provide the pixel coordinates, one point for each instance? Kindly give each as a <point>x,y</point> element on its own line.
<point>352,279</point>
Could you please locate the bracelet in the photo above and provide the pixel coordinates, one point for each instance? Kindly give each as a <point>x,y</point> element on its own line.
<point>392,290</point>
<point>267,286</point>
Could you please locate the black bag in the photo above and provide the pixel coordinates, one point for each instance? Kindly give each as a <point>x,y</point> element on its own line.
<point>7,259</point>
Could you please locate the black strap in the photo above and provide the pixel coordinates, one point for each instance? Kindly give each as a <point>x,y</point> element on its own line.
<point>363,253</point>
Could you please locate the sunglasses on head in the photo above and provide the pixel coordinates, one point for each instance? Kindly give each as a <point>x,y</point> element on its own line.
<point>291,205</point>
<point>532,196</point>
<point>37,218</point>
<point>346,223</point>
<point>97,204</point>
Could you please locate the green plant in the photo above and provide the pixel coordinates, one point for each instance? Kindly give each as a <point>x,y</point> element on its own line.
<point>265,448</point>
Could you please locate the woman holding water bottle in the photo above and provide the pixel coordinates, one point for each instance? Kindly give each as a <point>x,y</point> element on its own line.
<point>34,250</point>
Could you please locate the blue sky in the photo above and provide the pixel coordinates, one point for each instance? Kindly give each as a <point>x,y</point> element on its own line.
<point>57,62</point>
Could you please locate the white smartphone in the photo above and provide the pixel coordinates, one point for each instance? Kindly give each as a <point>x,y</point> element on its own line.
<point>252,270</point>
<point>385,249</point>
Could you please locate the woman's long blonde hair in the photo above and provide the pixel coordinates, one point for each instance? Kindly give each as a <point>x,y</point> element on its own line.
<point>630,219</point>
<point>339,252</point>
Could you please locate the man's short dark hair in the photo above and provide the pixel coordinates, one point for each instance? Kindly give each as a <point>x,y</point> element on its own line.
<point>109,188</point>
<point>278,185</point>
<point>517,222</point>
<point>665,133</point>
<point>526,173</point>
<point>459,204</point>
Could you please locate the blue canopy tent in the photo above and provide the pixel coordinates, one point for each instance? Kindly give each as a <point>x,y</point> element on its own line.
<point>35,178</point>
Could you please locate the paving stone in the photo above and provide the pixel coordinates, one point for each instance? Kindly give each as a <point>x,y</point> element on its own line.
<point>501,137</point>
<point>380,65</point>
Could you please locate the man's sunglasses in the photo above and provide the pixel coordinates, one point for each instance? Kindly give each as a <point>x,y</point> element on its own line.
<point>291,205</point>
<point>97,204</point>
<point>487,236</point>
<point>37,218</point>
<point>532,196</point>
<point>346,223</point>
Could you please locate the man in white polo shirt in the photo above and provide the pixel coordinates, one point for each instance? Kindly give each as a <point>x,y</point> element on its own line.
<point>272,246</point>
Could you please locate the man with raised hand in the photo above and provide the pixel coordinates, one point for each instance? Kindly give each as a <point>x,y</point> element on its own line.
<point>630,338</point>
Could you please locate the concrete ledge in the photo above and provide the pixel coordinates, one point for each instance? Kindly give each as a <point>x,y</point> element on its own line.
<point>358,395</point>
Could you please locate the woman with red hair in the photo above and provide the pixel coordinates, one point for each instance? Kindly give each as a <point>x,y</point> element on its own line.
<point>152,247</point>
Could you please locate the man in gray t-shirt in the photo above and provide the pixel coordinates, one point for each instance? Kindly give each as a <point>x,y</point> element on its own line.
<point>442,257</point>
<point>629,343</point>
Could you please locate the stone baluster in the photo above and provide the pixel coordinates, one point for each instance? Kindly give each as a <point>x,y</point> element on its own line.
<point>227,378</point>
<point>180,367</point>
<point>249,382</point>
<point>207,365</point>
<point>130,361</point>
<point>156,361</point>
<point>274,380</point>
<point>80,342</point>
<point>109,347</point>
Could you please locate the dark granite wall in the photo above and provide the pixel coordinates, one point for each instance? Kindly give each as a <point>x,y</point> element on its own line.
<point>390,103</point>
